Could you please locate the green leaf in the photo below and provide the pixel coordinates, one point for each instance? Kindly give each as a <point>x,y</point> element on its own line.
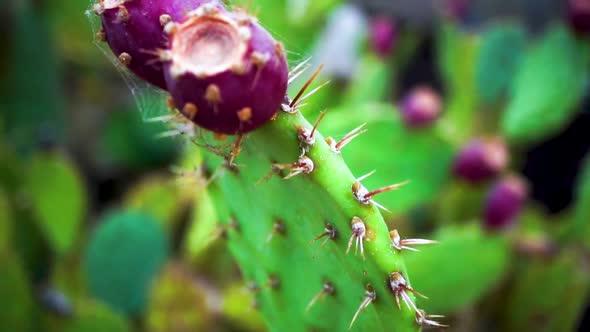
<point>396,152</point>
<point>547,87</point>
<point>498,60</point>
<point>58,198</point>
<point>459,271</point>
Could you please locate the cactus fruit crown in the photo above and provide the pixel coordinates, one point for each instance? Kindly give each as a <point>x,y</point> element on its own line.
<point>227,74</point>
<point>224,71</point>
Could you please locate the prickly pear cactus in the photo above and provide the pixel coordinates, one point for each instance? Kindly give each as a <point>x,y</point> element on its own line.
<point>308,236</point>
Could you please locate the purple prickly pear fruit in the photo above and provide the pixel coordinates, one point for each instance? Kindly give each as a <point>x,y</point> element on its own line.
<point>457,9</point>
<point>578,12</point>
<point>382,36</point>
<point>481,160</point>
<point>421,107</point>
<point>134,30</point>
<point>225,72</point>
<point>504,203</point>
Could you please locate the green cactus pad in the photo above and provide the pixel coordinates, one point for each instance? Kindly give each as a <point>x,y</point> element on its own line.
<point>457,53</point>
<point>177,304</point>
<point>234,310</point>
<point>498,60</point>
<point>548,295</point>
<point>538,109</point>
<point>124,254</point>
<point>95,317</point>
<point>271,222</point>
<point>461,270</point>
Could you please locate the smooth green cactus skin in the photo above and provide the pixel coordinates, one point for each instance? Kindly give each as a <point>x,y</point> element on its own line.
<point>124,254</point>
<point>462,269</point>
<point>287,269</point>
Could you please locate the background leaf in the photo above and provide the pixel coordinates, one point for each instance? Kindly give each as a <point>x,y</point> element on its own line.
<point>58,198</point>
<point>547,86</point>
<point>498,60</point>
<point>459,271</point>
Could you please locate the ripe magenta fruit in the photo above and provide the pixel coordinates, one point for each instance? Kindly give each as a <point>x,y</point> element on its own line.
<point>578,12</point>
<point>134,30</point>
<point>382,36</point>
<point>481,160</point>
<point>421,107</point>
<point>504,202</point>
<point>224,71</point>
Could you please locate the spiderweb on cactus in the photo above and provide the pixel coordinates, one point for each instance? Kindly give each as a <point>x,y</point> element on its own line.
<point>152,103</point>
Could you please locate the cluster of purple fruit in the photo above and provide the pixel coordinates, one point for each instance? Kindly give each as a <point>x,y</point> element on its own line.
<point>479,161</point>
<point>224,72</point>
<point>483,160</point>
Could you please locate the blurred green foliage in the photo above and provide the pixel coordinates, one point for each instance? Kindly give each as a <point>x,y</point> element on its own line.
<point>124,254</point>
<point>539,108</point>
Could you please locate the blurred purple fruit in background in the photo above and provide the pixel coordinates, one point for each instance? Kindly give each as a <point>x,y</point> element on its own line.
<point>237,90</point>
<point>578,12</point>
<point>420,107</point>
<point>481,160</point>
<point>382,35</point>
<point>135,31</point>
<point>457,9</point>
<point>504,202</point>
